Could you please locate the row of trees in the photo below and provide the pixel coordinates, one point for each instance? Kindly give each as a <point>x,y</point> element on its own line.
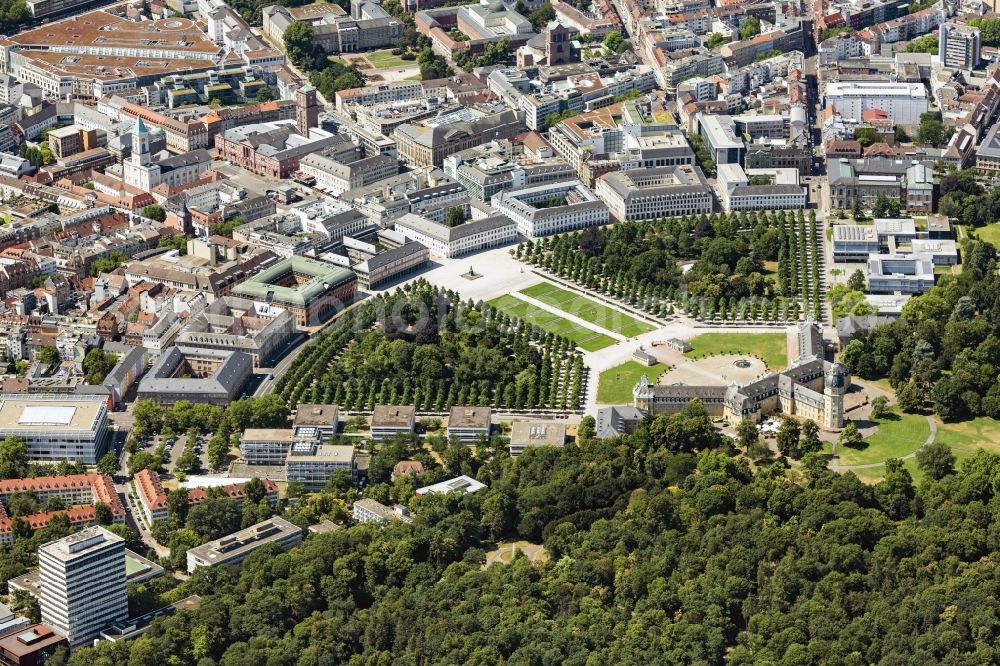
<point>640,263</point>
<point>494,53</point>
<point>39,155</point>
<point>421,345</point>
<point>662,548</point>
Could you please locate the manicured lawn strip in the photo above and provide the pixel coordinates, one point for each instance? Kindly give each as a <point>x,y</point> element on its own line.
<point>585,338</point>
<point>614,386</point>
<point>771,347</point>
<point>587,309</point>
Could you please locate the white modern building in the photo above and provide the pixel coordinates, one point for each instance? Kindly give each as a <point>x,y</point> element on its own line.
<point>941,251</point>
<point>390,420</point>
<point>903,102</point>
<point>313,464</point>
<point>83,583</point>
<point>469,423</point>
<point>531,434</point>
<point>648,194</point>
<point>370,511</point>
<point>266,446</point>
<point>854,242</point>
<point>900,273</point>
<point>959,46</point>
<point>444,241</point>
<point>57,427</point>
<point>551,208</point>
<point>376,95</point>
<point>760,189</point>
<point>463,484</point>
<point>315,422</point>
<point>719,135</point>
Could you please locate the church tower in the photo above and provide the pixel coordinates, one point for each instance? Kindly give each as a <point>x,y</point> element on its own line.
<point>835,385</point>
<point>306,109</point>
<point>139,171</point>
<point>140,144</point>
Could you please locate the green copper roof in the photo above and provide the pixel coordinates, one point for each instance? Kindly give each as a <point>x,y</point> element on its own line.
<point>322,277</point>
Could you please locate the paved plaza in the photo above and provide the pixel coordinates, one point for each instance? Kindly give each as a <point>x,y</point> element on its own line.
<point>719,370</point>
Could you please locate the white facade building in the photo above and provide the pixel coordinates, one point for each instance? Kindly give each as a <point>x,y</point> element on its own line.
<point>903,102</point>
<point>83,583</point>
<point>57,427</point>
<point>235,548</point>
<point>313,464</point>
<point>444,241</point>
<point>551,208</point>
<point>370,511</point>
<point>265,446</point>
<point>781,190</point>
<point>648,194</point>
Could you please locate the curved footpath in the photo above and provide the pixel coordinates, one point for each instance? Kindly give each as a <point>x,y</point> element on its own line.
<point>911,454</point>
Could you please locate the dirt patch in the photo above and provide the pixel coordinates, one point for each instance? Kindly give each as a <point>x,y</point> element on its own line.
<point>504,554</point>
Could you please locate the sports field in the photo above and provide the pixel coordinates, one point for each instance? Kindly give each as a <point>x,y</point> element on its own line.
<point>587,309</point>
<point>585,338</point>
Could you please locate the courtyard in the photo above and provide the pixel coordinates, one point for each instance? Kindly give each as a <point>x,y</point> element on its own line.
<point>718,370</point>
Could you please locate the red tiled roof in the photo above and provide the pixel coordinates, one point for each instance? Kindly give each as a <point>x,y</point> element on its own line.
<point>152,493</point>
<point>101,485</point>
<point>155,497</point>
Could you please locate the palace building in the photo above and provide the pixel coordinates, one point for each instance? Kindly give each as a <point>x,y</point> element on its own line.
<point>810,388</point>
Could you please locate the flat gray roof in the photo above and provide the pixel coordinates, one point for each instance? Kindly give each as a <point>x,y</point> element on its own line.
<point>228,547</point>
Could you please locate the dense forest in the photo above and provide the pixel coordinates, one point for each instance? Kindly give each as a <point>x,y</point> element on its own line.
<point>727,277</point>
<point>423,346</point>
<point>660,553</point>
<point>944,352</point>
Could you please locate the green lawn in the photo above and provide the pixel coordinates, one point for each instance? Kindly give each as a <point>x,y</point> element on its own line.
<point>614,386</point>
<point>385,60</point>
<point>873,475</point>
<point>772,348</point>
<point>587,309</point>
<point>964,438</point>
<point>990,233</point>
<point>967,436</point>
<point>585,338</point>
<point>895,437</point>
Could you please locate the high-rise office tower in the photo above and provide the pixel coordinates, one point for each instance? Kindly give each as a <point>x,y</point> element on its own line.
<point>83,588</point>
